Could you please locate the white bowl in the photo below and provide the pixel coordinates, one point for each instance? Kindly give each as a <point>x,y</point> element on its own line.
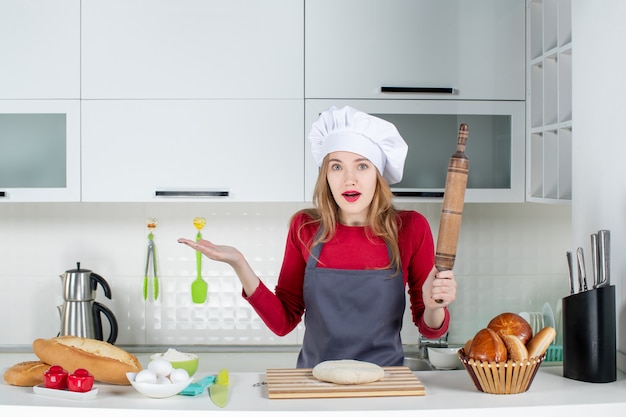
<point>157,390</point>
<point>444,358</point>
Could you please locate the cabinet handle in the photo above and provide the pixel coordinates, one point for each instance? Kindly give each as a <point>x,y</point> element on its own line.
<point>3,194</point>
<point>432,90</point>
<point>206,193</point>
<point>429,194</point>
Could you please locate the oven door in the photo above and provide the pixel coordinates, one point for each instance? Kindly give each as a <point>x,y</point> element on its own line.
<point>495,147</point>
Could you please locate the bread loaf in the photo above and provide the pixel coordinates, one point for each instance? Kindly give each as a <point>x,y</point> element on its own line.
<point>540,342</point>
<point>511,323</point>
<point>106,362</point>
<point>516,350</point>
<point>26,374</point>
<point>487,346</point>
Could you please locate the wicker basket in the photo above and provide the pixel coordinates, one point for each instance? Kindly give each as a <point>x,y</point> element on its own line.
<point>501,378</point>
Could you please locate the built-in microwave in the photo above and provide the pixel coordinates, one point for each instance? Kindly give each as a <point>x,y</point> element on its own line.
<point>495,146</point>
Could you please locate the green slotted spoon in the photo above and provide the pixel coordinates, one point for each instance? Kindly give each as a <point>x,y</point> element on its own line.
<point>199,286</point>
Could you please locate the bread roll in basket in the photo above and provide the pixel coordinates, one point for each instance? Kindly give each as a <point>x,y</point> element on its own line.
<point>499,360</point>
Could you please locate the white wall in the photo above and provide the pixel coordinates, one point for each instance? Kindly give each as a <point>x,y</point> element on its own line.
<point>599,138</point>
<point>511,257</point>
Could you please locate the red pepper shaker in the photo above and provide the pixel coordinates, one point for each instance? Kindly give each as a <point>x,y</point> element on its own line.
<point>55,378</point>
<point>80,380</point>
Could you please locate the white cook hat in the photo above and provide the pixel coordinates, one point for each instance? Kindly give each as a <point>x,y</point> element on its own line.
<point>347,129</point>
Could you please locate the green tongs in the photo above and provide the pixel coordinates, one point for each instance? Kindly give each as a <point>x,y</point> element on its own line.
<point>152,224</point>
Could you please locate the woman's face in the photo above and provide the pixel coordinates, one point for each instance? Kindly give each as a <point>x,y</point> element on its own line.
<point>352,181</point>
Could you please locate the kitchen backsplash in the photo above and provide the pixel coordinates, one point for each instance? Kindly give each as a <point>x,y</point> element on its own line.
<point>511,257</point>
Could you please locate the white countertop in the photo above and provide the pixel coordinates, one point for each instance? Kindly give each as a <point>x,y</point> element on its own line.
<point>448,393</point>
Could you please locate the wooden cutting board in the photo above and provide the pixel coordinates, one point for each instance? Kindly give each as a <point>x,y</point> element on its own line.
<point>300,383</point>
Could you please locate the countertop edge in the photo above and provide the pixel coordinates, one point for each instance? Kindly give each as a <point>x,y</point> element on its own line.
<point>449,393</point>
<point>182,348</point>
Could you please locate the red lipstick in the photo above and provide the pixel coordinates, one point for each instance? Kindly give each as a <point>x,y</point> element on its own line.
<point>351,196</point>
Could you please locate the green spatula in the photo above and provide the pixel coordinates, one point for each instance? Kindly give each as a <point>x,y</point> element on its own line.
<point>219,390</point>
<point>199,286</point>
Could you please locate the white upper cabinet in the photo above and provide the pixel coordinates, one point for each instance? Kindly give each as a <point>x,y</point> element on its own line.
<point>159,49</point>
<point>190,150</point>
<point>356,47</point>
<point>39,150</point>
<point>39,49</point>
<point>495,146</point>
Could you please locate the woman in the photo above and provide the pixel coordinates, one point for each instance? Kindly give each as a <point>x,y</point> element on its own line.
<point>349,259</point>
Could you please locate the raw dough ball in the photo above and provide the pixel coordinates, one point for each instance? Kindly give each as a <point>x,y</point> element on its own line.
<point>348,371</point>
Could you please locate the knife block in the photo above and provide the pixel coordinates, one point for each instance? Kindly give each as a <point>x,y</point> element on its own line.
<point>589,335</point>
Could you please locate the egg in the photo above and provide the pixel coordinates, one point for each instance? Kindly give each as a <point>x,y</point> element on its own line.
<point>163,380</point>
<point>179,375</point>
<point>146,376</point>
<point>160,367</point>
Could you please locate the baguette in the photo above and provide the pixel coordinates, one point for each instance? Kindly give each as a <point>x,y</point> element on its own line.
<point>26,374</point>
<point>106,362</point>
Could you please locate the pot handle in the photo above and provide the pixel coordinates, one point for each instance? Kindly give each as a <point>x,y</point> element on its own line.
<point>95,279</point>
<point>97,309</point>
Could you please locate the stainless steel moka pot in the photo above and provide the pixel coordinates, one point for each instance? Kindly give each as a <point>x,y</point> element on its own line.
<point>80,313</point>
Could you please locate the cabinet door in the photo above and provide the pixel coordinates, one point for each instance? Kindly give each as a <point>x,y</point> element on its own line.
<point>356,47</point>
<point>232,150</point>
<point>39,150</point>
<point>192,49</point>
<point>495,146</point>
<point>40,49</point>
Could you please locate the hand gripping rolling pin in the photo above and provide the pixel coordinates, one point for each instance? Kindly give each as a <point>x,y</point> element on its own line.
<point>452,210</point>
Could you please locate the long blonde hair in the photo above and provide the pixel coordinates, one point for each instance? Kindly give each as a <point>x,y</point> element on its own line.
<point>382,218</point>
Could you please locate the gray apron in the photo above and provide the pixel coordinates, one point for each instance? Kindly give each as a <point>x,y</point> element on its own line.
<point>351,314</point>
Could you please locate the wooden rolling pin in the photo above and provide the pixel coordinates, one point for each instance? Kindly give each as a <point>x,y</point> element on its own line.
<point>452,210</point>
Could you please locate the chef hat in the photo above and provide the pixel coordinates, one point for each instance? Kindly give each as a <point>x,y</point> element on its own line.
<point>348,129</point>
